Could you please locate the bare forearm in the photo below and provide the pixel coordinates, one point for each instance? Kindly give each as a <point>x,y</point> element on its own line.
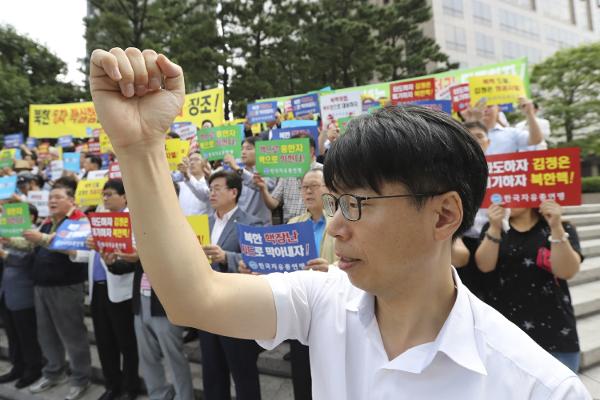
<point>269,200</point>
<point>535,132</point>
<point>486,255</point>
<point>564,259</point>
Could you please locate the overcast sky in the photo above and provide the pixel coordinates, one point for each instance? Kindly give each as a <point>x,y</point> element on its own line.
<point>57,24</point>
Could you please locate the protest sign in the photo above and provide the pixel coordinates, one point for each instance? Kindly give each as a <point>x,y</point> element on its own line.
<point>298,123</point>
<point>438,105</point>
<point>336,106</point>
<point>304,105</point>
<point>460,97</point>
<point>496,89</point>
<point>97,174</point>
<point>8,186</point>
<point>39,198</point>
<point>51,121</point>
<point>215,142</point>
<point>15,219</point>
<point>72,162</point>
<point>13,140</point>
<point>283,158</point>
<point>7,158</point>
<point>199,224</point>
<point>343,124</point>
<point>289,133</point>
<point>280,248</point>
<point>411,91</point>
<point>89,192</point>
<point>114,171</point>
<point>94,147</point>
<point>56,169</point>
<point>526,179</point>
<point>176,150</point>
<point>31,143</point>
<point>185,130</point>
<point>105,144</point>
<point>203,106</point>
<point>112,231</point>
<point>261,112</point>
<point>71,235</point>
<point>65,141</point>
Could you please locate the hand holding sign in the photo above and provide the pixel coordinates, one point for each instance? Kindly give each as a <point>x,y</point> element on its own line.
<point>496,214</point>
<point>552,212</point>
<point>318,264</point>
<point>526,106</point>
<point>32,235</point>
<point>215,253</point>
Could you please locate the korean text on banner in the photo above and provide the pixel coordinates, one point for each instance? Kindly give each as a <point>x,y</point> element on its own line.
<point>176,150</point>
<point>304,105</point>
<point>72,162</point>
<point>52,121</point>
<point>65,141</point>
<point>444,106</point>
<point>261,112</point>
<point>283,158</point>
<point>199,224</point>
<point>71,235</point>
<point>336,106</point>
<point>39,198</point>
<point>13,140</point>
<point>289,133</point>
<point>185,130</point>
<point>496,89</point>
<point>203,106</point>
<point>112,231</point>
<point>214,143</point>
<point>114,170</point>
<point>105,144</point>
<point>7,158</point>
<point>526,179</point>
<point>8,186</point>
<point>57,167</point>
<point>411,91</point>
<point>280,248</point>
<point>460,97</point>
<point>343,124</point>
<point>15,219</point>
<point>89,192</point>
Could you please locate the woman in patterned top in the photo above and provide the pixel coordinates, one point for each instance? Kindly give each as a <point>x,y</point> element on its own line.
<point>530,265</point>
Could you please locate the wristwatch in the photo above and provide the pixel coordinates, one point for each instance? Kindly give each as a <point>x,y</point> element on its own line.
<point>561,240</point>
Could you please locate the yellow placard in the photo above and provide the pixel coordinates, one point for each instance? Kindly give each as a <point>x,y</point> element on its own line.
<point>105,144</point>
<point>89,192</point>
<point>239,121</point>
<point>201,106</point>
<point>176,149</point>
<point>496,89</point>
<point>199,224</point>
<point>56,120</point>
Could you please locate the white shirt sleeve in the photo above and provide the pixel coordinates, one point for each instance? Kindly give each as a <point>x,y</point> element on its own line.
<point>570,389</point>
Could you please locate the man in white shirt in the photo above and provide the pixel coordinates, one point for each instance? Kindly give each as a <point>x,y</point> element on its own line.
<point>193,190</point>
<point>544,125</point>
<point>395,322</point>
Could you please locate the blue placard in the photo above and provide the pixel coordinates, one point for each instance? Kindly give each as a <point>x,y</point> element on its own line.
<point>439,105</point>
<point>65,141</point>
<point>289,133</point>
<point>72,162</point>
<point>298,123</point>
<point>280,248</point>
<point>261,112</point>
<point>31,143</point>
<point>71,235</point>
<point>304,105</point>
<point>8,186</point>
<point>14,140</point>
<point>507,107</point>
<point>105,160</point>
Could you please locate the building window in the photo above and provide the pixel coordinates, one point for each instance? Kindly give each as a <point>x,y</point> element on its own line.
<point>453,8</point>
<point>484,45</point>
<point>516,50</point>
<point>482,13</point>
<point>560,38</point>
<point>561,10</point>
<point>456,38</point>
<point>518,24</point>
<point>527,4</point>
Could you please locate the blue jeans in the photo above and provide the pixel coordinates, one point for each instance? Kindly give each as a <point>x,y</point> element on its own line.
<point>571,360</point>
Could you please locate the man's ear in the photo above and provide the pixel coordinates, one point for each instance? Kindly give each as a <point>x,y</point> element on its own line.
<point>449,210</point>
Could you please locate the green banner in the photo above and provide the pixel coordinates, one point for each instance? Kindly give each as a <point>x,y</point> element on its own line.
<point>7,157</point>
<point>14,220</point>
<point>215,142</point>
<point>343,124</point>
<point>283,158</point>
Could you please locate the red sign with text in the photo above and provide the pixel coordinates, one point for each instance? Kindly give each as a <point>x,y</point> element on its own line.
<point>112,231</point>
<point>526,179</point>
<point>460,96</point>
<point>114,171</point>
<point>411,91</point>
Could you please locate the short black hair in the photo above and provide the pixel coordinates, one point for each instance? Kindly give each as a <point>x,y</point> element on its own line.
<point>475,125</point>
<point>95,160</point>
<point>252,140</point>
<point>68,190</point>
<point>173,135</point>
<point>116,185</point>
<point>33,211</point>
<point>232,180</point>
<point>311,140</point>
<point>423,149</point>
<point>66,182</point>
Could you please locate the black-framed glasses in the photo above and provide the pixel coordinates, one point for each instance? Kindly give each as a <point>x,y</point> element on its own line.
<point>351,204</point>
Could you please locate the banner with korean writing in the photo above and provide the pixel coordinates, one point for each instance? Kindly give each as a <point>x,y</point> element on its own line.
<point>176,150</point>
<point>411,91</point>
<point>526,179</point>
<point>71,235</point>
<point>185,130</point>
<point>444,106</point>
<point>304,105</point>
<point>8,186</point>
<point>39,198</point>
<point>112,231</point>
<point>460,97</point>
<point>57,167</point>
<point>31,143</point>
<point>114,170</point>
<point>105,144</point>
<point>215,142</point>
<point>203,106</point>
<point>65,141</point>
<point>199,224</point>
<point>261,112</point>
<point>15,219</point>
<point>72,162</point>
<point>343,124</point>
<point>89,192</point>
<point>289,133</point>
<point>283,158</point>
<point>496,89</point>
<point>336,106</point>
<point>280,248</point>
<point>52,121</point>
<point>7,158</point>
<point>13,140</point>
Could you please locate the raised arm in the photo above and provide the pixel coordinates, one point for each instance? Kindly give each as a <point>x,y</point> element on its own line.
<point>486,256</point>
<point>137,95</point>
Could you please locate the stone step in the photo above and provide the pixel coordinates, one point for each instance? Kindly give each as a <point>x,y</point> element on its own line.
<point>589,271</point>
<point>590,247</point>
<point>582,209</point>
<point>586,299</point>
<point>588,329</point>
<point>588,232</point>
<point>591,379</point>
<point>583,219</point>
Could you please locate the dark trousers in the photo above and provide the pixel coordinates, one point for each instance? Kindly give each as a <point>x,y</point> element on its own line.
<point>222,355</point>
<point>115,338</point>
<point>301,380</point>
<point>23,347</point>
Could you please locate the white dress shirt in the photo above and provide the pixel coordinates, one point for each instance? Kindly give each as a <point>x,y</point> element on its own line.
<point>544,125</point>
<point>190,204</point>
<point>477,355</point>
<point>220,225</point>
<point>506,140</point>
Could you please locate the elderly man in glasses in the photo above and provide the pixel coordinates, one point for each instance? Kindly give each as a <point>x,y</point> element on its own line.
<point>394,321</point>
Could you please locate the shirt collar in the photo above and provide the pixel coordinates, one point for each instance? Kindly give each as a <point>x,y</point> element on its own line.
<point>227,215</point>
<point>456,339</point>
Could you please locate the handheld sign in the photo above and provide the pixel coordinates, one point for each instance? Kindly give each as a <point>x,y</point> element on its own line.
<point>185,130</point>
<point>460,97</point>
<point>15,219</point>
<point>261,112</point>
<point>112,231</point>
<point>304,105</point>
<point>280,248</point>
<point>8,186</point>
<point>215,142</point>
<point>289,133</point>
<point>283,158</point>
<point>496,89</point>
<point>176,150</point>
<point>89,192</point>
<point>336,106</point>
<point>71,235</point>
<point>199,224</point>
<point>7,158</point>
<point>444,106</point>
<point>14,140</point>
<point>65,141</point>
<point>411,91</point>
<point>114,171</point>
<point>72,162</point>
<point>39,198</point>
<point>526,179</point>
<point>105,144</point>
<point>56,169</point>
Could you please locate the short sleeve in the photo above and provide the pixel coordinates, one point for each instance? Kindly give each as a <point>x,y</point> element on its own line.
<point>570,389</point>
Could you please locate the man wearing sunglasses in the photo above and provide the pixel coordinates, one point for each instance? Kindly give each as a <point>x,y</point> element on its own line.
<point>394,321</point>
